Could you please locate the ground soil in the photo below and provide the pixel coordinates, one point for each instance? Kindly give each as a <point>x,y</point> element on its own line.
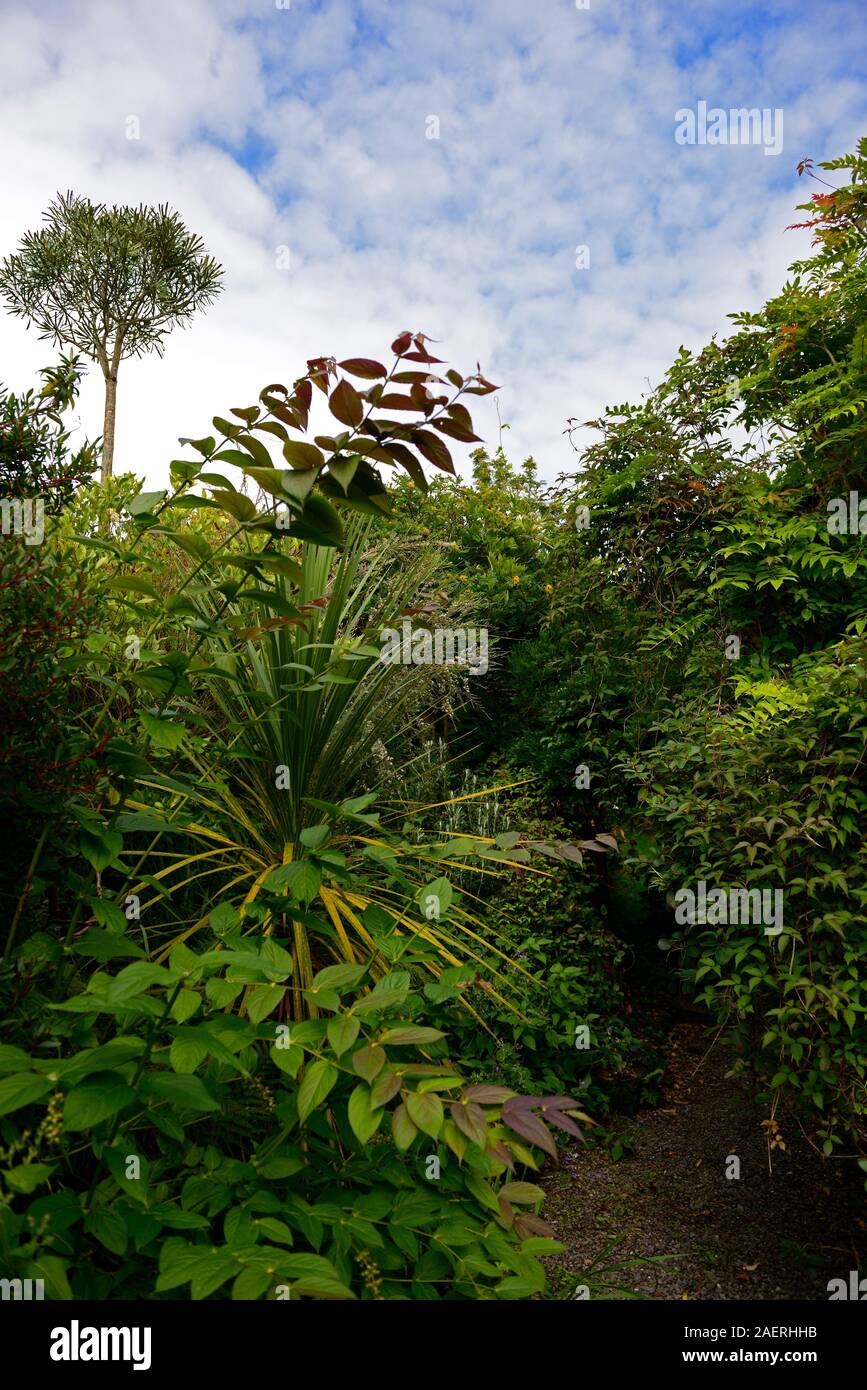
<point>774,1234</point>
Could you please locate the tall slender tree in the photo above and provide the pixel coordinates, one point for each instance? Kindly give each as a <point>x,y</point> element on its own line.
<point>110,282</point>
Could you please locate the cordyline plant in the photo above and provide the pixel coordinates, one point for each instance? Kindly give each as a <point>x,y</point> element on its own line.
<point>110,282</point>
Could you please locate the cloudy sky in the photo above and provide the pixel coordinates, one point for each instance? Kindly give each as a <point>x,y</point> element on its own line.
<point>311,126</point>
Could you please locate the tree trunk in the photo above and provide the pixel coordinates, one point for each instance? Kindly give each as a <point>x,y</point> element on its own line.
<point>108,424</point>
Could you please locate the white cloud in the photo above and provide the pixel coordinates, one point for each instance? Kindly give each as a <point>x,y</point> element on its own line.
<point>556,129</point>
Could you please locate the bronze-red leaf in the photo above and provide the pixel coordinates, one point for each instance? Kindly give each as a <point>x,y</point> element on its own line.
<point>400,454</point>
<point>365,367</point>
<point>470,1119</point>
<point>346,404</point>
<point>528,1126</point>
<point>459,432</point>
<point>433,449</point>
<point>486,1093</point>
<point>392,400</point>
<point>528,1224</point>
<point>409,378</point>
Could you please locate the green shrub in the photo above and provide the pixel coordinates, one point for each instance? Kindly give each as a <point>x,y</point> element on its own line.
<point>153,1142</point>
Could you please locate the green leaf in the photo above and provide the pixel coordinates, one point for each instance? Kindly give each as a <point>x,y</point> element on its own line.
<point>378,1000</point>
<point>235,503</point>
<point>201,1266</point>
<point>208,1278</point>
<point>426,1112</point>
<point>115,1053</point>
<point>263,1000</point>
<point>251,1283</point>
<point>339,977</point>
<point>96,1099</point>
<point>368,1062</point>
<point>183,470</point>
<point>136,979</point>
<point>541,1245</point>
<point>109,1228</point>
<point>281,564</point>
<point>256,448</point>
<point>401,1036</point>
<point>185,1092</point>
<point>275,1230</point>
<point>53,1271</point>
<point>13,1058</point>
<point>435,899</point>
<point>163,732</point>
<point>514,1287</point>
<point>482,1191</point>
<point>109,915</point>
<point>132,583</point>
<point>301,877</point>
<point>223,992</point>
<point>342,1032</point>
<point>99,845</point>
<point>285,483</point>
<point>315,836</point>
<point>277,1168</point>
<point>319,523</point>
<point>144,502</point>
<point>318,1080</point>
<point>187,1051</point>
<point>522,1193</point>
<point>223,918</point>
<point>402,1128</point>
<point>302,456</point>
<point>385,1088</point>
<point>344,469</point>
<point>103,946</point>
<point>26,1177</point>
<point>178,1260</point>
<point>116,1160</point>
<point>313,1275</point>
<point>362,1116</point>
<point>187,1003</point>
<point>288,1059</point>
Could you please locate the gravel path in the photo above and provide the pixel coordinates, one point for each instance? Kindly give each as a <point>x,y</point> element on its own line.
<point>765,1235</point>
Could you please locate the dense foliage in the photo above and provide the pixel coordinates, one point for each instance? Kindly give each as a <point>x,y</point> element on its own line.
<point>307,951</point>
<point>697,679</point>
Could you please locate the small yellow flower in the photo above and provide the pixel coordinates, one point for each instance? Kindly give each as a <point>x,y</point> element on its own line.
<point>549,588</point>
<point>462,578</point>
<point>516,579</point>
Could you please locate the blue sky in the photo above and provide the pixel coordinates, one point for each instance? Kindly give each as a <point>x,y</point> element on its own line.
<point>307,127</point>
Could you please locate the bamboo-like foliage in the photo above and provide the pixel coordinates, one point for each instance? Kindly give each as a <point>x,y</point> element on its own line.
<point>301,692</point>
<point>294,702</point>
